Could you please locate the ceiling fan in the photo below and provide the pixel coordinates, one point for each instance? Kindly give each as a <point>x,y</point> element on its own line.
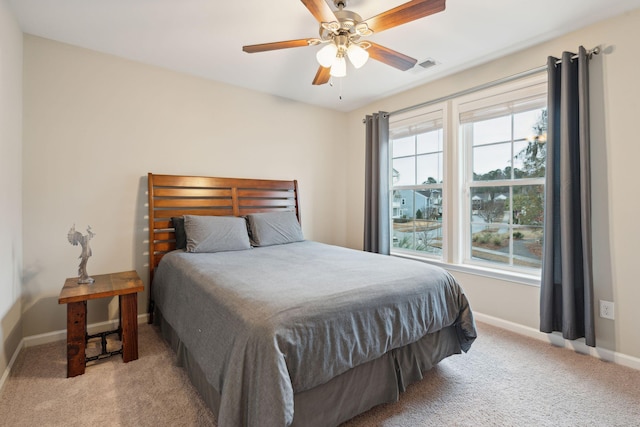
<point>342,31</point>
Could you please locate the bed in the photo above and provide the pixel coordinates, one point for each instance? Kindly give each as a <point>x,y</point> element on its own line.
<point>276,330</point>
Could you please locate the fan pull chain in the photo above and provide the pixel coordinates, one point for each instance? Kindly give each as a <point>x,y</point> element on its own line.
<point>339,89</point>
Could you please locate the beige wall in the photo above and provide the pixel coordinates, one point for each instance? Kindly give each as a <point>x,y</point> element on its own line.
<point>11,190</point>
<point>615,102</point>
<point>95,125</point>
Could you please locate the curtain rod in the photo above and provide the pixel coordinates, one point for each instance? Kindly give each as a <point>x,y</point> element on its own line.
<point>590,53</point>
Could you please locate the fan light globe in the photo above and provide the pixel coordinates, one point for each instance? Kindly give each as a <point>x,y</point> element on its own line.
<point>357,55</point>
<point>327,55</point>
<point>339,67</point>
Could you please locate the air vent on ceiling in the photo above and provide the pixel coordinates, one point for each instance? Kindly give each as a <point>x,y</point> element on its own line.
<point>428,63</point>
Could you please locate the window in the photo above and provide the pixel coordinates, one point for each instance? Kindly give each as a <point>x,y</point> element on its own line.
<point>471,190</point>
<point>417,168</point>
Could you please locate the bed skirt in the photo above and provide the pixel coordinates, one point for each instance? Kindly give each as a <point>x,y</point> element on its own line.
<point>347,395</point>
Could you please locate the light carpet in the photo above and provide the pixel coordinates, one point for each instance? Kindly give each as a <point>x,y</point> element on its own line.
<point>505,380</point>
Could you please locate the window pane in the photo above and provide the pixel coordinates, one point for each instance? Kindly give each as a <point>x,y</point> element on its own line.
<point>430,142</point>
<point>527,246</point>
<point>489,208</point>
<point>528,124</point>
<point>417,220</point>
<point>396,203</point>
<point>507,232</point>
<point>404,171</point>
<point>494,130</point>
<point>429,169</point>
<point>519,150</point>
<point>490,224</point>
<point>404,146</point>
<point>528,204</point>
<point>402,204</point>
<point>492,162</point>
<point>531,156</point>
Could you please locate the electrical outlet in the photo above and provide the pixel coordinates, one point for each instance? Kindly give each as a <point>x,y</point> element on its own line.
<point>607,309</point>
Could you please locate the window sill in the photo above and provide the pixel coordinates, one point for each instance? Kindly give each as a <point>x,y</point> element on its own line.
<point>509,276</point>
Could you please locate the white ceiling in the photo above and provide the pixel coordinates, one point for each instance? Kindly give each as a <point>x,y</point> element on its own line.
<point>205,38</point>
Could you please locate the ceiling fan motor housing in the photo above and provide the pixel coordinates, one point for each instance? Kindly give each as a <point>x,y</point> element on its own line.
<point>348,23</point>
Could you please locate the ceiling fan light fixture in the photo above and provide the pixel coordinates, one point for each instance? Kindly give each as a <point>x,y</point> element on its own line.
<point>357,55</point>
<point>327,55</point>
<point>339,67</point>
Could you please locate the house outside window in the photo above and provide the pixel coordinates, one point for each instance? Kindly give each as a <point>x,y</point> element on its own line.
<point>469,191</point>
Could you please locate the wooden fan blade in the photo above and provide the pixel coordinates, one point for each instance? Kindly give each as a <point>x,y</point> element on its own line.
<point>320,10</point>
<point>277,45</point>
<point>404,13</point>
<point>322,76</point>
<point>391,57</point>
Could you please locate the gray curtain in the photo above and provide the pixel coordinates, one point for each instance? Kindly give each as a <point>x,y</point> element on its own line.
<point>566,294</point>
<point>376,199</point>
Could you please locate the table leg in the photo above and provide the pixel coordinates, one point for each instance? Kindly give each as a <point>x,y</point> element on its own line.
<point>120,319</point>
<point>129,325</point>
<point>76,337</point>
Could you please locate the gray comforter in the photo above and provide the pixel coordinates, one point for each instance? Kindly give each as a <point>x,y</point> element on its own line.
<point>267,322</point>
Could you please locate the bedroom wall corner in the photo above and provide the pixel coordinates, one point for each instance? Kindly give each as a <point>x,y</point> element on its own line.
<point>11,54</point>
<point>96,124</point>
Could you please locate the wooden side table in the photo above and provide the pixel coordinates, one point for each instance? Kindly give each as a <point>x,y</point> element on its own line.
<point>126,286</point>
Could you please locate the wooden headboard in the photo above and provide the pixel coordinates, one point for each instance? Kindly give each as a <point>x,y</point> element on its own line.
<point>177,195</point>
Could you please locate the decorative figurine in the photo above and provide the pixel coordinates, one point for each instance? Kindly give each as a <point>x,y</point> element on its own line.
<point>76,237</point>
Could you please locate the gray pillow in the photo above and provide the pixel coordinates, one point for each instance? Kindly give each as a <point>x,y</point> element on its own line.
<point>274,228</point>
<point>216,233</point>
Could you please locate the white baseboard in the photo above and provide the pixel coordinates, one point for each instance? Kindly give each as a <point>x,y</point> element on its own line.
<point>62,334</point>
<point>557,340</point>
<point>7,371</point>
<point>58,336</point>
